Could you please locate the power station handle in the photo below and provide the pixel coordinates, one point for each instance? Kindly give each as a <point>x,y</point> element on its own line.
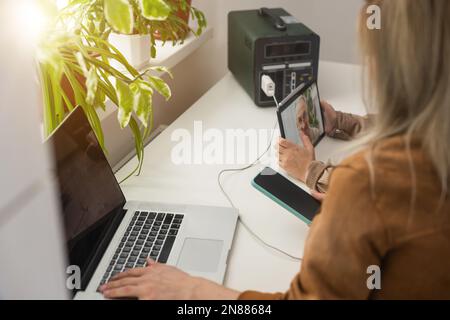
<point>277,22</point>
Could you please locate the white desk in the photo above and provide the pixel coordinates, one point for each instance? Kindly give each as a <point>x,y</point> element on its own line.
<point>227,106</point>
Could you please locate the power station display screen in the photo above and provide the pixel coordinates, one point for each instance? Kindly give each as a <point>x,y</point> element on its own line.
<point>288,49</point>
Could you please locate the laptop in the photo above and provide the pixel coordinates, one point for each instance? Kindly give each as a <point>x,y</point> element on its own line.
<point>106,234</point>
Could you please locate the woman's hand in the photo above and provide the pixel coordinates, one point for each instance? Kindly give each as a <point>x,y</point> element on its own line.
<point>318,195</point>
<point>330,116</point>
<point>163,282</point>
<point>295,159</point>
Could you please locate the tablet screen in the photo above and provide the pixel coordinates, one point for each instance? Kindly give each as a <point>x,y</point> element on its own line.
<point>303,114</point>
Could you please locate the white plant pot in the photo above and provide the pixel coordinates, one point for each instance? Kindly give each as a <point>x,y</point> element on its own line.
<point>135,48</point>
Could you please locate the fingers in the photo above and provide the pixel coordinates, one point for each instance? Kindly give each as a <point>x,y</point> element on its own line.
<point>281,147</point>
<point>283,143</point>
<point>151,262</point>
<point>136,272</point>
<point>282,158</point>
<point>318,195</point>
<point>126,284</point>
<point>325,105</point>
<point>122,292</point>
<point>130,273</point>
<point>113,284</point>
<point>306,141</point>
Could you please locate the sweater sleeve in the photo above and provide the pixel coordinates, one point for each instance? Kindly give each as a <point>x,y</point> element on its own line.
<point>349,125</point>
<point>345,239</point>
<point>318,176</point>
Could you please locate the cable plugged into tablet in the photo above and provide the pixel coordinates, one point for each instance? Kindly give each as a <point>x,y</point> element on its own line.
<point>268,86</point>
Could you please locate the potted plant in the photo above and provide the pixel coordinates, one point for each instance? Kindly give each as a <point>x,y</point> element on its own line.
<point>139,46</point>
<point>136,45</point>
<point>181,12</point>
<point>77,52</point>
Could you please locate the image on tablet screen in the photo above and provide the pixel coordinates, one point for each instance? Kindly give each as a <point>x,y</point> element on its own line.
<point>304,115</point>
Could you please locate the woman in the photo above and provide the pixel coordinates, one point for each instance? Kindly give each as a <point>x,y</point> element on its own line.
<point>388,205</point>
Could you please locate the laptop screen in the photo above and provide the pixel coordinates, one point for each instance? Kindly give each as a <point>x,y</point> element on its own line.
<point>91,198</point>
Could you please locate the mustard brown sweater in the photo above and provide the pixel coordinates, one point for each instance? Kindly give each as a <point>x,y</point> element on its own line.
<point>378,221</point>
<point>347,127</point>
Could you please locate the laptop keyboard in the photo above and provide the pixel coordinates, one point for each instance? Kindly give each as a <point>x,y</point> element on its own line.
<point>149,235</point>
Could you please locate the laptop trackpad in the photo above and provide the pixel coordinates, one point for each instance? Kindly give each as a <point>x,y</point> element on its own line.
<point>200,255</point>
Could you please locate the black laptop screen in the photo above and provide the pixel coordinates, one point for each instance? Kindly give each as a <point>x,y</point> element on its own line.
<point>91,198</point>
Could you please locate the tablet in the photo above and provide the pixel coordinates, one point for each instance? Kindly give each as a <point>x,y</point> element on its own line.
<point>287,195</point>
<point>301,111</point>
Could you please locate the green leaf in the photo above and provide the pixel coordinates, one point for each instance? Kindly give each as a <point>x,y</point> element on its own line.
<point>162,70</point>
<point>57,97</point>
<point>142,101</point>
<point>126,97</point>
<point>139,145</point>
<point>162,87</point>
<point>139,142</point>
<point>154,9</point>
<point>49,55</point>
<point>96,125</point>
<point>82,63</point>
<point>100,98</point>
<point>145,86</point>
<point>149,128</point>
<point>143,107</point>
<point>91,85</point>
<point>119,14</point>
<point>46,86</point>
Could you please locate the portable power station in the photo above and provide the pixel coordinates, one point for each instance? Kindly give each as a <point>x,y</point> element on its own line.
<point>271,42</point>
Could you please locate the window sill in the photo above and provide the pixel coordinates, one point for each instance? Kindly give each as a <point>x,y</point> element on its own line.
<point>168,56</point>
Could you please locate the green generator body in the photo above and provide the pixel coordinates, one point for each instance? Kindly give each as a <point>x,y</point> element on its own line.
<point>271,42</point>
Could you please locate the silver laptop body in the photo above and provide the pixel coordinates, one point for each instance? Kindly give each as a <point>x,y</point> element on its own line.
<point>106,235</point>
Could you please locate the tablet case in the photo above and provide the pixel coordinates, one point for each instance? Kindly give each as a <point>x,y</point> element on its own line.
<point>286,103</point>
<point>281,203</point>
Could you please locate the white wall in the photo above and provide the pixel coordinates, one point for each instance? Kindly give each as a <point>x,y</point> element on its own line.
<point>334,20</point>
<point>32,250</point>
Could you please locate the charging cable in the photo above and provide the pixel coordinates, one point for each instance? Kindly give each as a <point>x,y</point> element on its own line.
<point>268,86</point>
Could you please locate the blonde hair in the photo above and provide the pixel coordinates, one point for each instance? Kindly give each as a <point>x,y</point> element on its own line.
<point>408,64</point>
